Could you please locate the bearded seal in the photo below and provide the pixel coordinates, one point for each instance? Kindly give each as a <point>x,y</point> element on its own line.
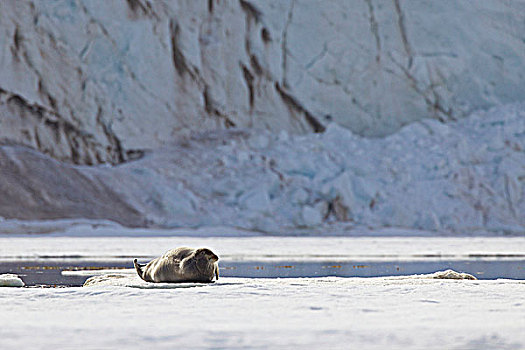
<point>181,265</point>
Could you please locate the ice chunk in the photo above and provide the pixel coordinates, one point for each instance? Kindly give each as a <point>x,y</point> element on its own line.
<point>445,275</point>
<point>313,216</point>
<point>453,275</point>
<point>299,196</point>
<point>11,280</point>
<point>256,200</point>
<point>341,188</point>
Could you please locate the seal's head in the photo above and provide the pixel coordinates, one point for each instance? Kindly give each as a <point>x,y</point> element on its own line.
<point>207,254</point>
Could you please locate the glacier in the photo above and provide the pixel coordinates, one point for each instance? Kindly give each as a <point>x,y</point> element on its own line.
<point>280,116</point>
<point>101,82</point>
<point>464,177</point>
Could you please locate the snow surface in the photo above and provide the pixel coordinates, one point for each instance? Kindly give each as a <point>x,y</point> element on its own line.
<point>234,313</point>
<point>466,177</point>
<point>409,312</point>
<point>129,278</point>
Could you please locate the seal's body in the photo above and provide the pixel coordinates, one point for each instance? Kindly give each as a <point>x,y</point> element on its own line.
<point>181,265</point>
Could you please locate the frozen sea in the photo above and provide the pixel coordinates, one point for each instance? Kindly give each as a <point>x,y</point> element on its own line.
<point>267,308</point>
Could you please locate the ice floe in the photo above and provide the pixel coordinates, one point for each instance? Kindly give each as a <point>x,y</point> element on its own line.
<point>10,280</point>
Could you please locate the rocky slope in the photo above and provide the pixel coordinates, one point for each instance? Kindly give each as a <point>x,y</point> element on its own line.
<point>100,81</point>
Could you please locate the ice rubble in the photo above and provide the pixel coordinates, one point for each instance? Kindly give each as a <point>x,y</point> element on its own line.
<point>10,280</point>
<point>464,177</point>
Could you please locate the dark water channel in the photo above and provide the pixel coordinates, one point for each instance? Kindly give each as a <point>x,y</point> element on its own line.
<point>49,272</point>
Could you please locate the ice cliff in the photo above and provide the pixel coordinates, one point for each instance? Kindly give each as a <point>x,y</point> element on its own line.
<point>266,115</point>
<point>101,81</point>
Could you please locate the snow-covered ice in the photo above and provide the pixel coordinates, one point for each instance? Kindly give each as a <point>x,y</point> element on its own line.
<point>410,312</point>
<point>339,313</point>
<point>129,278</point>
<point>10,280</point>
<point>447,275</point>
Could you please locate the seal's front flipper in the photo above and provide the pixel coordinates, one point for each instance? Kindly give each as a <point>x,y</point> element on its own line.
<point>216,272</point>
